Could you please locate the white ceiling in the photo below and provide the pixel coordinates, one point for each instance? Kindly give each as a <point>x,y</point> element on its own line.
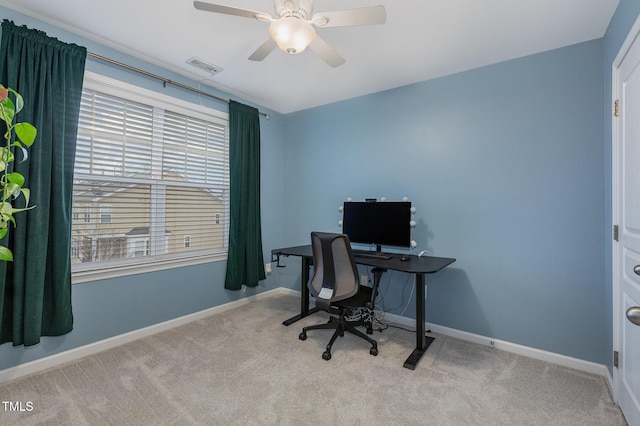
<point>421,40</point>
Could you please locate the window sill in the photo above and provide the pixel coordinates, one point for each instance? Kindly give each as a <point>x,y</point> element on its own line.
<point>122,270</point>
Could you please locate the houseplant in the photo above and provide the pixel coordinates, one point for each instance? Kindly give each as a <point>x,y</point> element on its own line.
<point>12,182</point>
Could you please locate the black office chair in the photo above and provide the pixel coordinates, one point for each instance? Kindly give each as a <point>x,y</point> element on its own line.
<point>336,289</point>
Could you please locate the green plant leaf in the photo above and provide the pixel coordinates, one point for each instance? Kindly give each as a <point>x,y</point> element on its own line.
<point>6,215</point>
<point>26,192</point>
<point>8,111</point>
<point>16,178</point>
<point>3,232</point>
<point>5,254</point>
<point>24,209</point>
<point>26,133</point>
<point>10,189</point>
<point>6,156</point>
<point>19,100</point>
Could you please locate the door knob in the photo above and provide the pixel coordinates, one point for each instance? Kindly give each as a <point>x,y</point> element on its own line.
<point>636,269</point>
<point>633,314</point>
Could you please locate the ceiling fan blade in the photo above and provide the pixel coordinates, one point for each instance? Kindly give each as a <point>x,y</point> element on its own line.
<point>244,13</point>
<point>262,51</point>
<point>326,52</point>
<point>343,18</point>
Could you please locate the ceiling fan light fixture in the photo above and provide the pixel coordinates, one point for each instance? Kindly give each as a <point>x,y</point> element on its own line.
<point>292,34</point>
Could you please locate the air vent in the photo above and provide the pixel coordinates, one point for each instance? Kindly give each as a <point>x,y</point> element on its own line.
<point>205,66</point>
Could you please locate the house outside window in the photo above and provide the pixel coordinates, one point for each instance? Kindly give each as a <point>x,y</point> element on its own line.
<point>75,248</point>
<point>154,169</point>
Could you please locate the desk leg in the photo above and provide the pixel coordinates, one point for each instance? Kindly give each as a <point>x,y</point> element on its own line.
<point>304,290</point>
<point>422,341</point>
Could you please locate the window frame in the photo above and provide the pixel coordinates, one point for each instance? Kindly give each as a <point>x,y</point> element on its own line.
<point>105,213</point>
<point>90,271</point>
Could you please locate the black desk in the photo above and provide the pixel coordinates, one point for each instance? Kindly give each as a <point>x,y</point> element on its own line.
<point>419,266</point>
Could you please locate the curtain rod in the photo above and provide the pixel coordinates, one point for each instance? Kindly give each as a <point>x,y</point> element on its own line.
<point>165,81</point>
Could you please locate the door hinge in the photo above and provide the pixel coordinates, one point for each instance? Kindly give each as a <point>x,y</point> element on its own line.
<point>616,358</point>
<point>616,108</point>
<point>615,232</point>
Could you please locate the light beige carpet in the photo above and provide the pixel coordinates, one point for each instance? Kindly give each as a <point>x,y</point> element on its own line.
<point>243,367</point>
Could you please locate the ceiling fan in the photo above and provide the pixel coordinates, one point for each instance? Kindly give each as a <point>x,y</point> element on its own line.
<point>293,28</point>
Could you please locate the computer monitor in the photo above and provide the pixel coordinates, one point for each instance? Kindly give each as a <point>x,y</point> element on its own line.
<point>382,223</point>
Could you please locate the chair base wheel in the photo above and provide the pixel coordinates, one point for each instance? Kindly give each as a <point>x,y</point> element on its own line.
<point>326,356</point>
<point>302,336</point>
<point>373,351</point>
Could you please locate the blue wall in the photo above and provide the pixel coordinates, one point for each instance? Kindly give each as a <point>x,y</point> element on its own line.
<point>507,165</point>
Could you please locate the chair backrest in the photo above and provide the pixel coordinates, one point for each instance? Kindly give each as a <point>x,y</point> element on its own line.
<point>335,275</point>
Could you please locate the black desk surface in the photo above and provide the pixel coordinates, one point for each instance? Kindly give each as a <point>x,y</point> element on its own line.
<point>415,264</point>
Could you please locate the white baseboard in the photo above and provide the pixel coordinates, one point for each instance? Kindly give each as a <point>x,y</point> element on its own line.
<point>41,364</point>
<point>527,351</point>
<point>609,378</point>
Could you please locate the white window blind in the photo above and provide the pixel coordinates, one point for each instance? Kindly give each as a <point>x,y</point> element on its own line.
<point>149,172</point>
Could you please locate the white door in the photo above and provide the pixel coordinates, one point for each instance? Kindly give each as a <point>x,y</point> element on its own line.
<point>626,213</point>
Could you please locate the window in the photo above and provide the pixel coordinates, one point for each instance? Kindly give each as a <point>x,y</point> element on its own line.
<point>153,169</point>
<point>105,213</point>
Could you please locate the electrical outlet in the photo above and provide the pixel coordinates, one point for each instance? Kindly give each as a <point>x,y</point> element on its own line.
<point>267,268</point>
<point>364,280</point>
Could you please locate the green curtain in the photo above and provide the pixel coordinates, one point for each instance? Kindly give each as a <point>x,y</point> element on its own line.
<point>35,289</point>
<point>245,262</point>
